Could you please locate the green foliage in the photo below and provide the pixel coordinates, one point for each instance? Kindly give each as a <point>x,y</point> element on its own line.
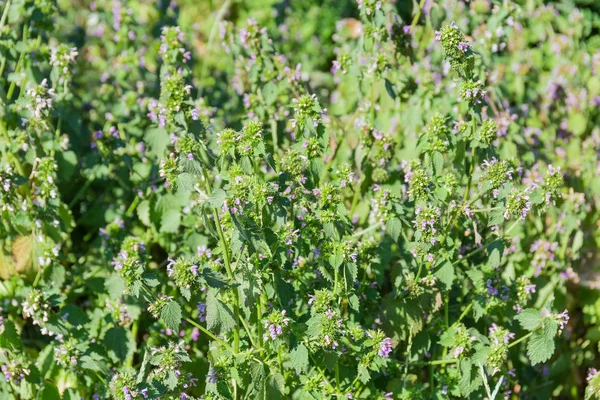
<point>302,199</point>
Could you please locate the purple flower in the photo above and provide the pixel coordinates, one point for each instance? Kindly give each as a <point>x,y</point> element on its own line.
<point>201,311</point>
<point>463,46</point>
<point>385,347</point>
<point>212,376</point>
<point>562,319</point>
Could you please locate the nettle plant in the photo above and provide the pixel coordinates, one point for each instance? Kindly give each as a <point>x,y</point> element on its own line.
<point>296,252</point>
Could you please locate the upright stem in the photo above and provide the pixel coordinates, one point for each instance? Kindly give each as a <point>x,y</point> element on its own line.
<point>337,375</point>
<point>20,63</point>
<point>417,16</point>
<point>4,14</point>
<point>225,249</point>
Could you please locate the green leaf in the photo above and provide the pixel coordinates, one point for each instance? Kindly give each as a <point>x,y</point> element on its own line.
<point>214,278</point>
<point>350,271</point>
<point>150,279</point>
<point>479,303</point>
<point>171,380</point>
<point>94,362</point>
<point>577,242</point>
<point>354,303</point>
<point>217,198</point>
<point>393,227</point>
<point>389,88</point>
<point>448,338</point>
<point>529,319</point>
<point>336,259</point>
<point>299,359</point>
<point>157,139</point>
<point>119,343</point>
<point>219,317</point>
<point>446,274</point>
<point>143,212</point>
<point>363,374</point>
<point>10,339</point>
<point>170,220</point>
<point>171,315</point>
<point>269,92</point>
<point>496,217</point>
<point>50,392</point>
<point>495,250</point>
<point>67,164</point>
<point>541,345</point>
<point>438,161</point>
<point>186,181</point>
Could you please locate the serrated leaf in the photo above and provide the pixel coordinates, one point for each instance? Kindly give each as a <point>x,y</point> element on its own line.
<point>393,227</point>
<point>217,198</point>
<point>213,278</point>
<point>143,212</point>
<point>448,338</point>
<point>529,319</point>
<point>118,343</point>
<point>186,181</point>
<point>157,139</point>
<point>496,217</point>
<point>170,220</point>
<point>150,279</point>
<point>299,358</point>
<point>495,251</point>
<point>445,274</point>
<point>219,317</point>
<point>171,315</point>
<point>541,345</point>
<point>363,374</point>
<point>350,271</point>
<point>336,259</point>
<point>94,362</point>
<point>354,303</point>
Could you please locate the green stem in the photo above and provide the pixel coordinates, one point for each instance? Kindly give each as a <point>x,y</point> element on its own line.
<point>20,63</point>
<point>355,199</point>
<point>247,329</point>
<point>225,249</point>
<point>512,226</point>
<point>208,333</point>
<point>209,43</point>
<point>56,134</point>
<point>471,254</point>
<point>133,206</point>
<point>38,276</point>
<point>2,65</point>
<point>274,135</point>
<point>519,340</point>
<point>259,325</point>
<point>369,229</point>
<point>421,269</point>
<point>337,376</point>
<point>81,192</point>
<point>4,14</point>
<point>435,362</point>
<point>330,387</point>
<point>463,314</point>
<point>417,16</point>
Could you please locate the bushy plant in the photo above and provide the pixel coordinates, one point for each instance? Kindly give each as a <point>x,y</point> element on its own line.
<point>370,199</point>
